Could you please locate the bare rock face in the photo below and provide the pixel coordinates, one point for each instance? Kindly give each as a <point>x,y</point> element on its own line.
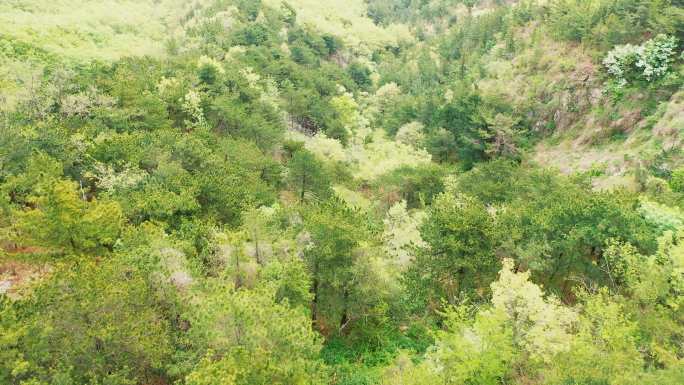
<point>5,286</point>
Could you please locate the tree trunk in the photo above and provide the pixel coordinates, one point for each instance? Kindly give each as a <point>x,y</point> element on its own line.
<point>301,195</point>
<point>314,301</point>
<point>238,279</point>
<point>345,313</point>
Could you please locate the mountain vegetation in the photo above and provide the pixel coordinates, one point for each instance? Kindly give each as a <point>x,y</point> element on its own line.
<point>362,192</point>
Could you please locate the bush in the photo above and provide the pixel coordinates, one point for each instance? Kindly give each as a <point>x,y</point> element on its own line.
<point>648,62</point>
<point>677,180</point>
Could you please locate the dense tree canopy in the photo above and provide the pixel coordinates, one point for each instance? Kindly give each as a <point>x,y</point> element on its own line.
<point>350,192</point>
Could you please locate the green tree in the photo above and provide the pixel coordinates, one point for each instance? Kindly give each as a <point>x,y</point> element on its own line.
<point>459,257</point>
<point>249,337</point>
<point>89,322</point>
<point>227,190</point>
<point>677,180</point>
<point>417,185</point>
<point>360,74</point>
<point>469,4</point>
<point>338,263</point>
<point>290,279</point>
<point>555,226</point>
<point>563,232</point>
<point>604,349</point>
<point>252,120</point>
<point>307,177</point>
<point>64,219</point>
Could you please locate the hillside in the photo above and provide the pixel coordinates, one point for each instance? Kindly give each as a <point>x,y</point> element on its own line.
<point>35,34</point>
<point>243,192</point>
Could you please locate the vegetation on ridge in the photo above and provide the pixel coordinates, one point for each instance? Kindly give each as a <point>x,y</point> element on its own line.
<point>341,192</point>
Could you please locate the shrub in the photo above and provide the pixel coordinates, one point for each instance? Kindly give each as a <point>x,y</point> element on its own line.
<point>677,180</point>
<point>649,61</point>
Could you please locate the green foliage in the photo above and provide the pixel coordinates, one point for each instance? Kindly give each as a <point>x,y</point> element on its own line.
<point>606,22</point>
<point>541,326</point>
<point>677,180</point>
<point>462,356</point>
<point>88,323</point>
<point>81,30</point>
<point>311,192</point>
<point>461,118</point>
<point>307,178</point>
<point>401,232</point>
<point>648,62</point>
<point>291,280</point>
<point>63,219</point>
<point>460,236</point>
<point>347,20</point>
<point>661,216</point>
<point>524,337</point>
<point>418,186</point>
<point>250,339</point>
<point>51,212</point>
<point>604,349</point>
<point>331,257</point>
<point>360,74</point>
<point>552,225</point>
<point>651,286</point>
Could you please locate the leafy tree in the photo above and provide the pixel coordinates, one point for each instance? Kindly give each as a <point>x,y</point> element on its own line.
<point>245,154</point>
<point>501,181</point>
<point>331,256</point>
<point>401,232</point>
<point>503,137</point>
<point>462,118</point>
<point>541,326</point>
<point>360,74</point>
<point>442,144</point>
<point>15,150</point>
<point>344,287</point>
<point>167,194</point>
<point>648,62</point>
<point>255,121</point>
<point>563,233</point>
<point>459,256</point>
<point>209,70</point>
<point>247,336</point>
<point>417,185</point>
<point>62,219</point>
<point>89,322</point>
<point>307,178</point>
<point>464,361</point>
<point>226,190</point>
<point>486,345</point>
<point>556,226</point>
<point>677,180</point>
<point>604,349</point>
<point>291,280</point>
<point>649,288</point>
<point>252,34</point>
<point>39,169</point>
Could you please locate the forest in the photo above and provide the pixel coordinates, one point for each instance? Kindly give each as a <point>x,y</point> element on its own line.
<point>342,192</point>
